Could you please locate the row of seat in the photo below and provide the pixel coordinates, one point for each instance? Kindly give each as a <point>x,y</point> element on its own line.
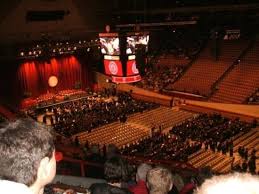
<point>206,70</point>
<point>242,81</point>
<point>222,163</point>
<point>170,59</point>
<point>137,127</point>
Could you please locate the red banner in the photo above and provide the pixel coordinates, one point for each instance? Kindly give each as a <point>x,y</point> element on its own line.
<point>130,79</point>
<point>131,68</point>
<point>113,67</point>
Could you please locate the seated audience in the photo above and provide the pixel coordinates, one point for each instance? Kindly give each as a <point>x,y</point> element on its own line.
<point>213,131</point>
<point>85,114</point>
<point>254,98</point>
<point>158,79</point>
<point>116,173</point>
<point>159,180</point>
<point>141,175</point>
<point>27,161</point>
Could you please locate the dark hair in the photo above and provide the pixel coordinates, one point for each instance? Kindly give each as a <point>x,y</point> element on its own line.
<point>116,170</point>
<point>23,144</point>
<point>98,188</point>
<point>104,188</point>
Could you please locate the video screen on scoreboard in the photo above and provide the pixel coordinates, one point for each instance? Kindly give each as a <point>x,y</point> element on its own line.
<point>110,45</point>
<point>134,40</point>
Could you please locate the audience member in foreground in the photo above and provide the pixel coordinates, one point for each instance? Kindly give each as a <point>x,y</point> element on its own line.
<point>116,174</point>
<point>27,161</point>
<point>232,183</point>
<point>159,180</point>
<point>141,176</point>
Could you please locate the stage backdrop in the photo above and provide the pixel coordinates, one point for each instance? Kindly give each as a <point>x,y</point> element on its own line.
<point>32,76</point>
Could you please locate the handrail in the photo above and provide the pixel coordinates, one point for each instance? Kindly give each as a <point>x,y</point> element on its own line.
<point>189,65</point>
<point>176,166</point>
<point>172,163</point>
<point>230,68</point>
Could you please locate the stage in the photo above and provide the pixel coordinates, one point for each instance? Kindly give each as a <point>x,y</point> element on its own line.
<point>50,99</point>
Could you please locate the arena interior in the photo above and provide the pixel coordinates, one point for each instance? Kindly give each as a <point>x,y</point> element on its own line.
<point>187,98</point>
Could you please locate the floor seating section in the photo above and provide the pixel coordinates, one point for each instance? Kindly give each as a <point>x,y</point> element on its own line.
<point>222,163</point>
<point>137,127</point>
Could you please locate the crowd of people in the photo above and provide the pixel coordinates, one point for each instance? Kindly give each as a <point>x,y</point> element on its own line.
<point>247,162</point>
<point>214,131</point>
<point>29,147</point>
<point>254,98</point>
<point>163,147</point>
<point>159,78</point>
<point>93,111</point>
<point>211,131</point>
<point>180,44</point>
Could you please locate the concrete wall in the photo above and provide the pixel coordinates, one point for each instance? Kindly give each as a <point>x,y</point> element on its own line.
<point>14,26</point>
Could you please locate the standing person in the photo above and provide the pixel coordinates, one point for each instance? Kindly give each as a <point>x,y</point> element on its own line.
<point>27,161</point>
<point>141,176</point>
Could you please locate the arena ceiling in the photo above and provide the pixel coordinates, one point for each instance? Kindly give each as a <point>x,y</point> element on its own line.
<point>94,15</point>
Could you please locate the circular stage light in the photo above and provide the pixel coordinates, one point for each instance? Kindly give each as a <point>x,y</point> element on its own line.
<point>53,81</point>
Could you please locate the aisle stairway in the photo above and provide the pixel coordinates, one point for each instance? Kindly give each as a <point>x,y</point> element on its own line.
<point>206,70</point>
<point>242,81</point>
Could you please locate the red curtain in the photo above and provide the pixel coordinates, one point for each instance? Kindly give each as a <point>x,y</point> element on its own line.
<point>33,76</point>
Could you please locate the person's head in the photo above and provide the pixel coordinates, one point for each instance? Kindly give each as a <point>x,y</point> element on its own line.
<point>204,173</point>
<point>142,172</point>
<point>159,180</point>
<point>116,170</point>
<point>112,151</point>
<point>27,153</point>
<point>238,183</point>
<point>100,188</point>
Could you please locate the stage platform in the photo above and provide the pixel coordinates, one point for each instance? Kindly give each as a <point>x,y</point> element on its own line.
<point>50,99</point>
